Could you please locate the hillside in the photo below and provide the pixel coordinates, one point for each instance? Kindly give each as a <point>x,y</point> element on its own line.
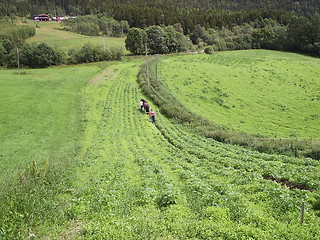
<point>53,34</point>
<point>131,179</point>
<point>264,93</point>
<point>79,160</point>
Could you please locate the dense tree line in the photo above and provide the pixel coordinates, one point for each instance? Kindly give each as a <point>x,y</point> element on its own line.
<point>301,34</point>
<point>266,34</point>
<point>94,25</point>
<point>144,13</point>
<point>40,55</point>
<point>14,51</point>
<point>189,17</point>
<point>89,53</point>
<point>162,40</point>
<point>84,7</point>
<point>113,17</point>
<point>11,34</point>
<point>11,37</point>
<point>164,25</point>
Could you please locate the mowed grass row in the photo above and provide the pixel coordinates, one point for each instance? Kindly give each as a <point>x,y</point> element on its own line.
<point>53,34</point>
<point>136,180</point>
<point>264,93</point>
<point>113,188</point>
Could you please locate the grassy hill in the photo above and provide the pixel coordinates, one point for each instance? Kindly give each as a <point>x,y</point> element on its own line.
<point>263,93</point>
<point>53,34</point>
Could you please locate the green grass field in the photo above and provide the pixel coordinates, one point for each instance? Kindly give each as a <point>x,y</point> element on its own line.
<point>52,34</point>
<point>265,93</point>
<point>80,161</point>
<point>40,114</point>
<point>131,179</point>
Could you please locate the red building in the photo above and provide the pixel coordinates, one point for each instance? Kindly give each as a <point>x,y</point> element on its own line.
<point>41,17</point>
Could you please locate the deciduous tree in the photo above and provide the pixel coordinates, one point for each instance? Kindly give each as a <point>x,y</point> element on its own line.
<point>135,40</point>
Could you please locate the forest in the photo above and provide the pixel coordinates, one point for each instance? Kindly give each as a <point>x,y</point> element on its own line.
<point>84,7</point>
<point>145,12</point>
<point>167,26</point>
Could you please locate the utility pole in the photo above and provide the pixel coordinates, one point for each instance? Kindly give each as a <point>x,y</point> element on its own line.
<point>18,58</point>
<point>147,67</point>
<point>157,69</point>
<point>103,43</point>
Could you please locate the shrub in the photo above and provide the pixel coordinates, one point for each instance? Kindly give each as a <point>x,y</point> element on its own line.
<point>209,50</point>
<point>89,53</point>
<point>87,28</point>
<point>92,25</point>
<point>25,32</point>
<point>40,55</point>
<point>116,54</point>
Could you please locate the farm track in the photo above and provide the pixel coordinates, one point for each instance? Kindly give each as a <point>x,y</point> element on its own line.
<point>136,180</point>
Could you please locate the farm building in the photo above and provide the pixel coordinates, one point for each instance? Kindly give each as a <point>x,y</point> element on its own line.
<point>60,19</point>
<point>41,17</point>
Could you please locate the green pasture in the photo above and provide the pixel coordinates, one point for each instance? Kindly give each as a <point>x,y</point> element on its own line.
<point>53,34</point>
<point>40,114</point>
<point>264,93</point>
<point>130,178</point>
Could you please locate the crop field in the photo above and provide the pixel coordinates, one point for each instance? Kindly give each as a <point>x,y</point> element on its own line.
<point>133,179</point>
<point>264,93</point>
<point>52,34</point>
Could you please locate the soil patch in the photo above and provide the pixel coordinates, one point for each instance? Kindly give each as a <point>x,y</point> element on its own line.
<point>288,184</point>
